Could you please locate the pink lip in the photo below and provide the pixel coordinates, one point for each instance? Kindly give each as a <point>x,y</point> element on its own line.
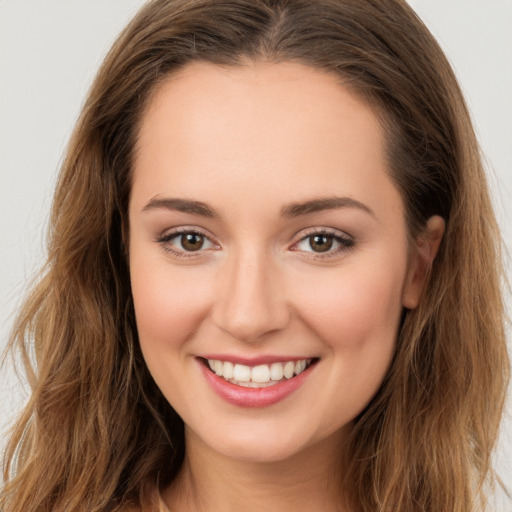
<point>253,397</point>
<point>253,361</point>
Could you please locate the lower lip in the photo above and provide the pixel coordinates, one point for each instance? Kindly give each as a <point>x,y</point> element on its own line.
<point>254,397</point>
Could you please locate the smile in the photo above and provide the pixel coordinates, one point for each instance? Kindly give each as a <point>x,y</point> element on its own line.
<point>259,376</point>
<point>255,385</point>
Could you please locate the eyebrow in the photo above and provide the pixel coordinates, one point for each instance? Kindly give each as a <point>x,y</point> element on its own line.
<point>180,205</point>
<point>323,203</point>
<point>296,209</point>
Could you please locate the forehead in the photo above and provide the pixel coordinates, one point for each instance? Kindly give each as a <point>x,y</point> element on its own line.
<point>203,93</point>
<point>259,127</point>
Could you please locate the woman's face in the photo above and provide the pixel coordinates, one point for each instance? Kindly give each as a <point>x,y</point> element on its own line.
<point>266,236</point>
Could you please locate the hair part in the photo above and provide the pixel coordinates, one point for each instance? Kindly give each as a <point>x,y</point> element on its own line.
<point>424,442</point>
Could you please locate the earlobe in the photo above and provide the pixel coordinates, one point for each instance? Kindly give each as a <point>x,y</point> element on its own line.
<point>425,250</point>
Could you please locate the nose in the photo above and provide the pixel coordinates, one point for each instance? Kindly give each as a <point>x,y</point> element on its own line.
<point>250,303</point>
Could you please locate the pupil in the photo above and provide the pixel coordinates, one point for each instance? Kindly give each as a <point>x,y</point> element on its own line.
<point>320,243</point>
<point>192,241</point>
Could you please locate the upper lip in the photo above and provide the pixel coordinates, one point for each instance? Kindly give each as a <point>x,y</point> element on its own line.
<point>255,361</point>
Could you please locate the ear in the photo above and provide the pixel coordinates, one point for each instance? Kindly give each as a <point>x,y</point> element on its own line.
<point>425,250</point>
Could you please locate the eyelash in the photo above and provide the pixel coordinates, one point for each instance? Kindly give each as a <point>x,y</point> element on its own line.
<point>165,240</point>
<point>344,240</point>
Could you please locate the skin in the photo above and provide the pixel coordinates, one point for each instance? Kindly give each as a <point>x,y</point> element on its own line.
<point>249,141</point>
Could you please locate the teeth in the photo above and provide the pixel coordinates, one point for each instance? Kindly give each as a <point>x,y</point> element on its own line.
<point>289,369</point>
<point>252,384</point>
<point>241,373</point>
<point>300,366</point>
<point>276,371</point>
<point>262,375</point>
<point>227,370</point>
<point>218,367</point>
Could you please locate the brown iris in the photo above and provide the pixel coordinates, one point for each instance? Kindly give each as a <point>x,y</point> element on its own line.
<point>192,241</point>
<point>320,243</point>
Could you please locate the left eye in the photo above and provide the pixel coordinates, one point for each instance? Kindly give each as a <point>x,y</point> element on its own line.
<point>324,242</point>
<point>188,242</point>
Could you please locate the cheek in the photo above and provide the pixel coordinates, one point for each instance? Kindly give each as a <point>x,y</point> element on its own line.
<point>356,314</point>
<point>356,308</point>
<point>168,305</point>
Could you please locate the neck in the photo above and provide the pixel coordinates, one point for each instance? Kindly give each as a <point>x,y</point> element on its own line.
<point>209,481</point>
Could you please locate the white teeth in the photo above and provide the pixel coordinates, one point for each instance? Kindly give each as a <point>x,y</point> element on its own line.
<point>253,384</point>
<point>289,369</point>
<point>276,371</point>
<point>242,373</point>
<point>300,366</point>
<point>260,373</point>
<point>259,376</point>
<point>218,367</point>
<point>227,371</point>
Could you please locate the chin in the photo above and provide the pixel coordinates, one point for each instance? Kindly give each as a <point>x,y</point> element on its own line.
<point>269,445</point>
<point>260,451</point>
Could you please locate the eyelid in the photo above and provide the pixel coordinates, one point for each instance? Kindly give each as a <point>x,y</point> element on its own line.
<point>345,240</point>
<point>165,239</point>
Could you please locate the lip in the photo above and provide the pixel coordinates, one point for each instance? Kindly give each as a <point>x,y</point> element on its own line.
<point>254,397</point>
<point>254,361</point>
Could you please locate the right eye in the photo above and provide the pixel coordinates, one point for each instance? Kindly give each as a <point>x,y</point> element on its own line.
<point>183,243</point>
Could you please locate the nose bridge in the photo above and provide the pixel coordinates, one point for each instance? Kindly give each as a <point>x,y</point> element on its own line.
<point>250,302</point>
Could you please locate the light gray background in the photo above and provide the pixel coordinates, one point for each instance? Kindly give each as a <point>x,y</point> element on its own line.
<point>49,52</point>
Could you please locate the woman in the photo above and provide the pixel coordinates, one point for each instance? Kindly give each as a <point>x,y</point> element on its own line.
<point>208,336</point>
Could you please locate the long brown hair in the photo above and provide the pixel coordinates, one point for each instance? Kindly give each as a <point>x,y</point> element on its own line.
<point>97,433</point>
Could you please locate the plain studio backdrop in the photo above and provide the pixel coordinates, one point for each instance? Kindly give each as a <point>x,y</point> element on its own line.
<point>49,53</point>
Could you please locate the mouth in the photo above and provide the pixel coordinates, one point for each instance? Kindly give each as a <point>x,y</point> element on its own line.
<point>260,375</point>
